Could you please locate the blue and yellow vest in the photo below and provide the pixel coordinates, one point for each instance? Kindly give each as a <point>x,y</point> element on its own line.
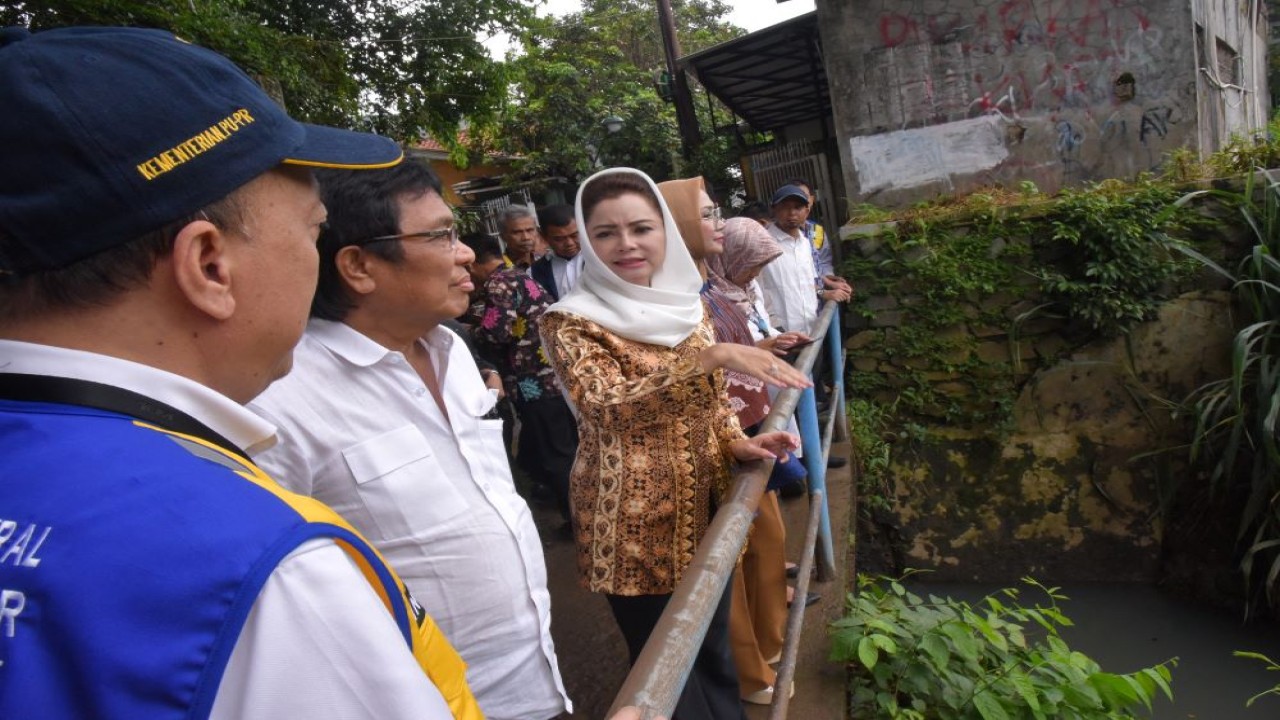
<point>130,557</point>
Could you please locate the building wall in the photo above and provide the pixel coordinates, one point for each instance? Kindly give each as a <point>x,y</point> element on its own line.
<point>450,174</point>
<point>943,96</point>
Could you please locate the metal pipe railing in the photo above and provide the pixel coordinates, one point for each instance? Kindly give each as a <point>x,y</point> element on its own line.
<point>660,672</point>
<point>795,617</point>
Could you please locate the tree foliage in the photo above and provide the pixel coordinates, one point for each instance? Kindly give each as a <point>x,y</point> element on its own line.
<point>403,68</point>
<point>575,70</point>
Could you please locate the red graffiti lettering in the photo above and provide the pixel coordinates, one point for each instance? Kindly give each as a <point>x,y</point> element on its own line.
<point>896,29</point>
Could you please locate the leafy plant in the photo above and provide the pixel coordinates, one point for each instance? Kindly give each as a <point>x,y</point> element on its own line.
<point>1236,416</point>
<point>1243,153</point>
<point>943,659</point>
<point>1122,252</point>
<point>1271,665</point>
<point>868,423</point>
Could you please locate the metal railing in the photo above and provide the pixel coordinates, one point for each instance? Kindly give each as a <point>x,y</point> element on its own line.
<point>659,674</point>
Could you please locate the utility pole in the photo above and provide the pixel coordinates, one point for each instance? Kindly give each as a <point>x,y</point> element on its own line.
<point>686,120</point>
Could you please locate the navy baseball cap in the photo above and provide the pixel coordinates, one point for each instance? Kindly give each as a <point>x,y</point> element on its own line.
<point>109,133</point>
<point>789,191</point>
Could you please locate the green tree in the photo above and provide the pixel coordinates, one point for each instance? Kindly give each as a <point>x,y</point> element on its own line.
<point>575,70</point>
<point>405,69</point>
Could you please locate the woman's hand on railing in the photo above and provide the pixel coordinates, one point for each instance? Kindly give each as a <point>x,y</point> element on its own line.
<point>755,362</point>
<point>782,344</point>
<point>764,446</point>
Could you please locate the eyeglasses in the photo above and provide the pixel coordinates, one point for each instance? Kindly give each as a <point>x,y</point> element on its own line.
<point>430,236</point>
<point>715,215</point>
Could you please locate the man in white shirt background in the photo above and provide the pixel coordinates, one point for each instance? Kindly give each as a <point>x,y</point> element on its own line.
<point>384,419</point>
<point>791,287</point>
<point>558,270</point>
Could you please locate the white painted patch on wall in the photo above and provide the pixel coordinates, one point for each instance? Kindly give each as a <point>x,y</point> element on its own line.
<point>909,158</point>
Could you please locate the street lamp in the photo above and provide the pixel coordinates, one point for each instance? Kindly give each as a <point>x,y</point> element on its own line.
<point>611,126</point>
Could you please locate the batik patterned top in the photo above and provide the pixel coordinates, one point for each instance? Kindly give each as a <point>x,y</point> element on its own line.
<point>507,334</point>
<point>653,455</point>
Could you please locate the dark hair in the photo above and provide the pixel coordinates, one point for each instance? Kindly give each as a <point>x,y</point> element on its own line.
<point>363,204</point>
<point>756,211</point>
<point>616,184</point>
<point>484,246</point>
<point>555,216</point>
<point>101,277</point>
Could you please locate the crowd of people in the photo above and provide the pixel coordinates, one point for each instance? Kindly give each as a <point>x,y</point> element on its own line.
<point>258,397</point>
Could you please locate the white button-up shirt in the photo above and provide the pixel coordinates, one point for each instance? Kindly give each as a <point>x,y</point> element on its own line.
<point>787,283</point>
<point>565,272</point>
<point>361,432</point>
<point>305,651</point>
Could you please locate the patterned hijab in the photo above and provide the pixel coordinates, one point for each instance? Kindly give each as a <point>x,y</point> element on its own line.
<point>665,313</point>
<point>747,245</point>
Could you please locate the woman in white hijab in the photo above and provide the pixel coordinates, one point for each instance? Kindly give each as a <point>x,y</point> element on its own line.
<point>657,438</point>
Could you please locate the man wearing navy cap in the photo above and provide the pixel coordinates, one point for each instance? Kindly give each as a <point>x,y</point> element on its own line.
<point>158,221</point>
<point>791,286</point>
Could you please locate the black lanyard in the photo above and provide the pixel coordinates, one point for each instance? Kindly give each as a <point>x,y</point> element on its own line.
<point>85,393</point>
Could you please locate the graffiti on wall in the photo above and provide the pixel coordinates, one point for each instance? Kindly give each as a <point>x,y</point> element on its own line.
<point>1089,77</point>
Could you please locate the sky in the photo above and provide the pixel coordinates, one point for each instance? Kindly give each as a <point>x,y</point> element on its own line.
<point>749,14</point>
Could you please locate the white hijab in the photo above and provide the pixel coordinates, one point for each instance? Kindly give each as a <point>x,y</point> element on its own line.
<point>665,313</point>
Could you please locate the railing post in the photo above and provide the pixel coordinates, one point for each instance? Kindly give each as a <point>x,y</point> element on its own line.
<point>815,461</point>
<point>835,348</point>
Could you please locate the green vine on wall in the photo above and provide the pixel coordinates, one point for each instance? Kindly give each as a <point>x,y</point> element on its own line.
<point>950,294</point>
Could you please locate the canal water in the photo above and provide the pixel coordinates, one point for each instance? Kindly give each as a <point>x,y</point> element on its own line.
<point>1126,627</point>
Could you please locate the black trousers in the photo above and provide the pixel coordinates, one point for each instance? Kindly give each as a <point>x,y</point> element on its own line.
<point>711,692</point>
<point>548,445</point>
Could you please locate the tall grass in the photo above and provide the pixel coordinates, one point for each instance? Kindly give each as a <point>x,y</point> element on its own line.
<point>1236,416</point>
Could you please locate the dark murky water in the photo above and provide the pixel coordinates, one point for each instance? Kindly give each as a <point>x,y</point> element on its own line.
<point>1126,627</point>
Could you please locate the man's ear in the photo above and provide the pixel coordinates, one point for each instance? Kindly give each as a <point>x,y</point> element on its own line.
<point>352,264</point>
<point>203,267</point>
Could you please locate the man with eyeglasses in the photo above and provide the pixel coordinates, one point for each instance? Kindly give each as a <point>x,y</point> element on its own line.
<point>384,419</point>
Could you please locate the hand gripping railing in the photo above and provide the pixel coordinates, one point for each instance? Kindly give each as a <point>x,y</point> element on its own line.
<point>659,674</point>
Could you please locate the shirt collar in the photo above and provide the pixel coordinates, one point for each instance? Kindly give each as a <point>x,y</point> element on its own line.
<point>223,415</point>
<point>357,348</point>
<point>782,235</point>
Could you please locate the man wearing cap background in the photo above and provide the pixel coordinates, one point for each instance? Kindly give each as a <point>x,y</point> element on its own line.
<point>788,283</point>
<point>386,419</point>
<point>823,263</point>
<point>790,286</point>
<point>157,257</point>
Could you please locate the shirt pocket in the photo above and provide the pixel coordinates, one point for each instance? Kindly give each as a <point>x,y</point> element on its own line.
<point>401,483</point>
<point>491,440</point>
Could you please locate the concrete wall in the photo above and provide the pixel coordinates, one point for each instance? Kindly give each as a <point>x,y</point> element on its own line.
<point>942,96</point>
<point>1062,492</point>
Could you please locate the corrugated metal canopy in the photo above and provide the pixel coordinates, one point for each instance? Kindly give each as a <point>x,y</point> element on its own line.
<point>771,78</point>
